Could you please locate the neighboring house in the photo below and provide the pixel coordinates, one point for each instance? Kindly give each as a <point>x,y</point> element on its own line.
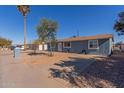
<point>34,46</point>
<point>99,44</point>
<point>43,47</point>
<point>119,46</point>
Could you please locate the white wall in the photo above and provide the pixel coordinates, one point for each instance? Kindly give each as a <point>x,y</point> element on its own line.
<point>40,47</point>
<point>43,47</point>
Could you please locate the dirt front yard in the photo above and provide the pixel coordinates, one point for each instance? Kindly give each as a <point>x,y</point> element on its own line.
<point>41,70</point>
<point>105,72</point>
<point>61,70</point>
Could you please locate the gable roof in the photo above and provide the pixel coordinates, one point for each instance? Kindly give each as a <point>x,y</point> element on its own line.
<point>102,36</point>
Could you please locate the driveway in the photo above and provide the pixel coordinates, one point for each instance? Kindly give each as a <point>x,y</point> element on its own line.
<point>40,70</point>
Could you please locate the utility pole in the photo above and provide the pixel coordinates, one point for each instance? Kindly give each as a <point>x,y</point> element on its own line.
<point>77,33</point>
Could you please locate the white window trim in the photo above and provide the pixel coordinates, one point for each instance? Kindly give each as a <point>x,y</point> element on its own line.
<point>93,48</point>
<point>65,46</point>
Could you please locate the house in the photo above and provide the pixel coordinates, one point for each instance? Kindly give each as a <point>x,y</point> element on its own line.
<point>99,44</point>
<point>42,47</point>
<point>37,46</point>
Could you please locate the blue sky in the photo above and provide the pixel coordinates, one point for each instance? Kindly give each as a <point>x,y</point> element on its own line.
<point>87,20</point>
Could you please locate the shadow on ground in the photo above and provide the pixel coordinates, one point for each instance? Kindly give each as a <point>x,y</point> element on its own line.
<point>70,70</point>
<point>34,54</point>
<point>40,53</point>
<point>104,72</point>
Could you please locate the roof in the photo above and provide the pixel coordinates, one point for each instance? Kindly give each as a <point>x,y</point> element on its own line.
<point>102,36</point>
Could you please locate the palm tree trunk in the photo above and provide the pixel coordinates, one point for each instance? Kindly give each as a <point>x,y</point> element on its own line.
<point>24,32</point>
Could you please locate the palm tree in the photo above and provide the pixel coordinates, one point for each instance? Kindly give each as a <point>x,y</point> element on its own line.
<point>24,9</point>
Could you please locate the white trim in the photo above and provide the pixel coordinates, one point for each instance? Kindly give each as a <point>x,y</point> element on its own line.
<point>110,45</point>
<point>93,48</point>
<point>65,46</point>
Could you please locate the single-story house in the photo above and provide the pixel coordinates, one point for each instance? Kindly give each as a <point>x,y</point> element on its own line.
<point>37,46</point>
<point>42,47</point>
<point>99,44</point>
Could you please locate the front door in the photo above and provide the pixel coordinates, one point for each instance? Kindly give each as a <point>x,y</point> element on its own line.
<point>59,46</point>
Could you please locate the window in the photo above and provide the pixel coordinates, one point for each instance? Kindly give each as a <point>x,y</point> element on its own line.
<point>67,44</point>
<point>93,44</point>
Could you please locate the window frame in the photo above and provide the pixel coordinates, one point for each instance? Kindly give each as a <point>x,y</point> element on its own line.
<point>96,43</point>
<point>66,46</point>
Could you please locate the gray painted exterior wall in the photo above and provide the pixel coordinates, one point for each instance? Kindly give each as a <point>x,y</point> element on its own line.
<point>78,46</point>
